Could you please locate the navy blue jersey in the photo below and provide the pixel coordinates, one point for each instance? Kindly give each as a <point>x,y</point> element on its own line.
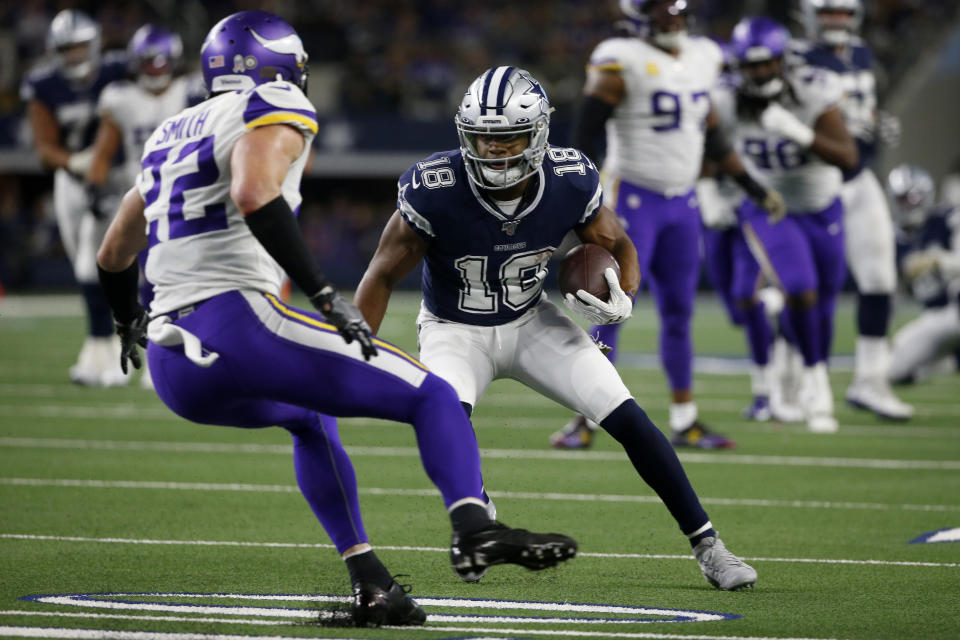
<point>74,106</point>
<point>937,231</point>
<point>483,266</point>
<point>855,68</point>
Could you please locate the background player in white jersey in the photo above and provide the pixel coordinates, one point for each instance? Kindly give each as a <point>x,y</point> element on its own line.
<point>61,102</point>
<point>869,236</point>
<point>486,218</point>
<point>928,248</point>
<point>651,96</point>
<point>214,206</point>
<point>129,112</point>
<point>790,130</point>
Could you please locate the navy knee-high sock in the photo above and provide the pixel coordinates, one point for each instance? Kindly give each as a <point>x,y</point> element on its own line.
<point>655,460</point>
<point>99,316</point>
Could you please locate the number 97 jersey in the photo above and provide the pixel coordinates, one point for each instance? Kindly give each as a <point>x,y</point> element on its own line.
<point>485,263</point>
<point>199,244</point>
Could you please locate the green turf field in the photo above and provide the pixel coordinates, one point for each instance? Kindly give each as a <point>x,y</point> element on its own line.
<point>200,530</point>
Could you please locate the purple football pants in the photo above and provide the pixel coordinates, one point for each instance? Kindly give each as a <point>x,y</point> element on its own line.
<point>283,366</point>
<point>666,233</point>
<point>805,251</point>
<point>734,273</point>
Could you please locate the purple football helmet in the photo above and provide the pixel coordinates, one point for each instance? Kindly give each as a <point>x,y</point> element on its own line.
<point>646,24</point>
<point>250,48</point>
<point>758,40</point>
<point>154,56</point>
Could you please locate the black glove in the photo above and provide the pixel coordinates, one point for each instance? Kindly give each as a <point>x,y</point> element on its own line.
<point>346,318</point>
<point>131,334</point>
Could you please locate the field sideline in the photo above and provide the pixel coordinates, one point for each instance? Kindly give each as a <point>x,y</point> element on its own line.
<point>119,520</point>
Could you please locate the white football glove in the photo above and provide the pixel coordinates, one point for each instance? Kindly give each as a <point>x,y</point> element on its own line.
<point>888,129</point>
<point>617,309</point>
<point>715,212</point>
<point>776,119</point>
<point>79,162</point>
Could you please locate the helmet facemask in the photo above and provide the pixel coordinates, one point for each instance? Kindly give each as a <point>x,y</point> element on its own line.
<point>507,104</point>
<point>835,26</point>
<point>762,78</point>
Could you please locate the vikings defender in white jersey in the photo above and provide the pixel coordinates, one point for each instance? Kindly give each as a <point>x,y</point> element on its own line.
<point>831,26</point>
<point>61,100</point>
<point>790,130</point>
<point>485,218</point>
<point>130,110</point>
<point>650,96</point>
<point>214,207</point>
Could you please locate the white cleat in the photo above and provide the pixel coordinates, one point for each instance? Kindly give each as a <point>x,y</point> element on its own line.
<point>721,568</point>
<point>816,398</point>
<point>875,395</point>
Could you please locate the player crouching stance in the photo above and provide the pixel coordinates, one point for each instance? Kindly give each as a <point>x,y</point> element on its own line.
<point>216,195</point>
<point>486,218</point>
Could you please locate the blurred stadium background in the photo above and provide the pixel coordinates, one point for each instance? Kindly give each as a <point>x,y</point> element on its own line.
<point>386,77</point>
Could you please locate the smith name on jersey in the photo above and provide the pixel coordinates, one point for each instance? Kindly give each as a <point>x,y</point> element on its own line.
<point>655,138</point>
<point>185,186</point>
<point>484,266</point>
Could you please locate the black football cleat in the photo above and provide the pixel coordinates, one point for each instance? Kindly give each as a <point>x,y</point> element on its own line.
<point>499,544</point>
<point>373,606</point>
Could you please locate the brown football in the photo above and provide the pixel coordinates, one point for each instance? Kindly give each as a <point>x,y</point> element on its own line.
<point>583,267</point>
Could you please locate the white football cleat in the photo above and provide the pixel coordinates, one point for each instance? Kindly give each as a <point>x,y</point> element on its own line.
<point>721,568</point>
<point>875,394</point>
<point>816,398</point>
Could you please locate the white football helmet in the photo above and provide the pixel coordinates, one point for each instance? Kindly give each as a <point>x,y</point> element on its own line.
<point>503,101</point>
<point>71,27</point>
<point>829,31</point>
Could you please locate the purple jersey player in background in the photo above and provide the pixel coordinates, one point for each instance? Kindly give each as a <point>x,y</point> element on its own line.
<point>650,96</point>
<point>790,130</point>
<point>217,193</point>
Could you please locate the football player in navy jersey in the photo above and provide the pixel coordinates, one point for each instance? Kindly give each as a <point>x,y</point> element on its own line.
<point>61,100</point>
<point>214,208</point>
<point>928,249</point>
<point>486,218</point>
<point>869,243</point>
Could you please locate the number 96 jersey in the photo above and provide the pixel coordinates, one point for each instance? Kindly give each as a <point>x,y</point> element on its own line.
<point>484,265</point>
<point>199,244</point>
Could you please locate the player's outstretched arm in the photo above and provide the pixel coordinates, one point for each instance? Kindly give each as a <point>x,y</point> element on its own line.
<point>399,251</point>
<point>259,164</point>
<point>602,92</point>
<point>117,267</point>
<point>606,231</point>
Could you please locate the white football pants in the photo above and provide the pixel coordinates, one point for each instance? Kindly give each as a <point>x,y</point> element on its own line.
<point>924,340</point>
<point>543,349</point>
<point>870,244</point>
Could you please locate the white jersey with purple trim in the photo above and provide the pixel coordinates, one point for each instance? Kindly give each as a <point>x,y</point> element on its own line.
<point>137,112</point>
<point>807,183</point>
<point>655,137</point>
<point>200,245</point>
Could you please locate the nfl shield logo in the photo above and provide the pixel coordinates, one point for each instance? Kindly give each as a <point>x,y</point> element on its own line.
<point>510,227</point>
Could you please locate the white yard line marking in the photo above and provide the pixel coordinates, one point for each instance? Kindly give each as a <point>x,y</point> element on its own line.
<point>514,495</point>
<point>104,634</point>
<point>510,454</point>
<point>295,545</point>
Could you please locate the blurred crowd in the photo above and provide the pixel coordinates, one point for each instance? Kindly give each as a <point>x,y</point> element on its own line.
<point>411,59</point>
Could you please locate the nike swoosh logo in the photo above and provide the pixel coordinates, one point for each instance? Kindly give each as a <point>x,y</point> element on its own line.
<point>416,185</point>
